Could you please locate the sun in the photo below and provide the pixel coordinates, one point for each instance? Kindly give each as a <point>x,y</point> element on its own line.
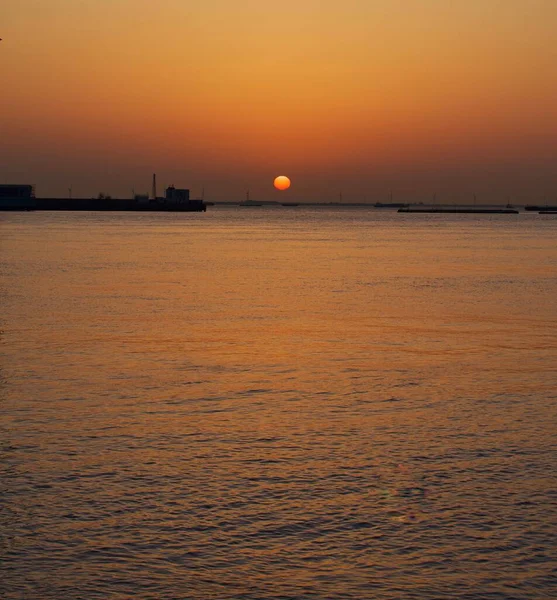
<point>282,182</point>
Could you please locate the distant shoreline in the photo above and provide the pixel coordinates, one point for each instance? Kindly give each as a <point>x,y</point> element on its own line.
<point>100,204</point>
<point>197,205</point>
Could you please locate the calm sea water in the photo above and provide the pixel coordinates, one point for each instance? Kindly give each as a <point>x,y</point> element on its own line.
<point>277,404</point>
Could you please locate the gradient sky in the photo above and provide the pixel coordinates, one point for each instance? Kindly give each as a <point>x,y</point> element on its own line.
<point>361,97</point>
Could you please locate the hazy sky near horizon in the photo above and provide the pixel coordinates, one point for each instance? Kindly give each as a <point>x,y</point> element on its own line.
<point>356,96</point>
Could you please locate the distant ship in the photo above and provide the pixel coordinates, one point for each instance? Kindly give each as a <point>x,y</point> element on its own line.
<point>538,208</point>
<point>248,202</point>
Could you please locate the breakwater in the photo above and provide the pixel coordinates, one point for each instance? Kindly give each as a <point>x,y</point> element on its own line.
<point>104,204</point>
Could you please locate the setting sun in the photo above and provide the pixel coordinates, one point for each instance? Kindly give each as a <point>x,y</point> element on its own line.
<point>282,182</point>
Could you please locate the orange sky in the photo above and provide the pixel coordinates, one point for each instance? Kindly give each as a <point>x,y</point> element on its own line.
<point>360,96</point>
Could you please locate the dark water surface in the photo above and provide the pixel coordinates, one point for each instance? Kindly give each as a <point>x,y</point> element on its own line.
<point>278,404</point>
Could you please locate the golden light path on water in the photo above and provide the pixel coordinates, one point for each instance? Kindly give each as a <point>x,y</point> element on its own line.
<point>269,403</point>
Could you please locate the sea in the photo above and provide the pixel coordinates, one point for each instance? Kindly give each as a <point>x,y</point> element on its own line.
<point>278,403</point>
